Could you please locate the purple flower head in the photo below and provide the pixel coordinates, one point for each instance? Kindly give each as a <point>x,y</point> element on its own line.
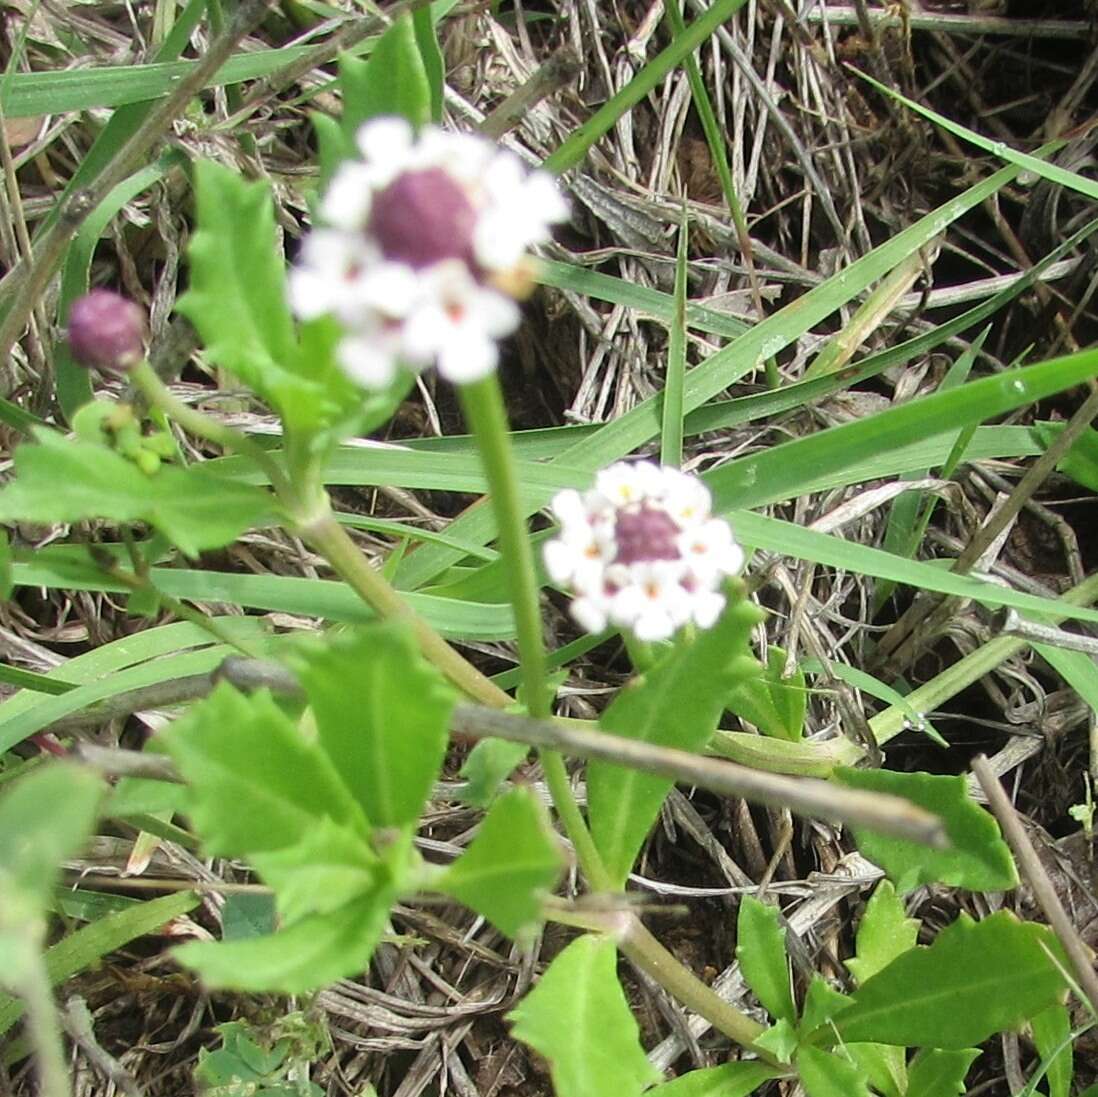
<point>423,250</point>
<point>107,331</point>
<point>641,551</point>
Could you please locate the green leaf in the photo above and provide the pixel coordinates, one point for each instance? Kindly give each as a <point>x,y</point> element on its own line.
<point>309,954</point>
<point>514,858</point>
<point>781,1039</point>
<point>938,1073</point>
<point>45,817</point>
<point>884,1065</point>
<point>1052,1037</point>
<point>487,766</point>
<point>578,1018</point>
<point>677,704</point>
<point>433,65</point>
<point>978,978</point>
<point>884,933</point>
<point>827,1074</point>
<point>260,788</point>
<point>237,298</point>
<point>760,949</point>
<point>327,868</point>
<point>1081,460</point>
<point>392,81</point>
<point>246,915</point>
<point>62,479</point>
<point>729,1080</point>
<point>87,946</point>
<point>821,1002</point>
<point>775,705</point>
<point>383,717</point>
<point>977,857</point>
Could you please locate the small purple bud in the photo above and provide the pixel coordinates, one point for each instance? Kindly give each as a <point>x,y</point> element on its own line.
<point>107,331</point>
<point>423,217</point>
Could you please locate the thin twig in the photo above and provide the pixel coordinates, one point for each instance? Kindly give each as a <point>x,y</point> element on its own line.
<point>1078,954</point>
<point>806,796</point>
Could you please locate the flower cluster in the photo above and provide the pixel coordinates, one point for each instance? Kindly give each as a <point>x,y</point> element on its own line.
<point>641,551</point>
<point>422,251</point>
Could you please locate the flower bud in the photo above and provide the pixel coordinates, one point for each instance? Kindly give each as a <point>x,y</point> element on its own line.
<point>107,331</point>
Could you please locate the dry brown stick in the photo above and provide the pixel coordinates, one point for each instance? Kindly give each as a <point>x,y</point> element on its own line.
<point>1077,953</point>
<point>804,795</point>
<point>561,68</point>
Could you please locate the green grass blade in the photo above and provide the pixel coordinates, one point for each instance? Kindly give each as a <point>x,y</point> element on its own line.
<point>1052,172</point>
<point>575,148</point>
<point>621,436</point>
<point>87,946</point>
<point>671,436</point>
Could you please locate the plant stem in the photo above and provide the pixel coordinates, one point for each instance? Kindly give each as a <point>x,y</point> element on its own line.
<point>652,958</point>
<point>42,1026</point>
<point>327,537</point>
<point>482,403</point>
<point>148,383</point>
<point>332,541</point>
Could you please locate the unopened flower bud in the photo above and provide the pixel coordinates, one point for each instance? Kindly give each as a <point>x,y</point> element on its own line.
<point>107,331</point>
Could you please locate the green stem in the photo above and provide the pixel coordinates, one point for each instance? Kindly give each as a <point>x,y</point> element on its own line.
<point>148,383</point>
<point>482,403</point>
<point>324,534</point>
<point>646,953</point>
<point>652,958</point>
<point>43,1028</point>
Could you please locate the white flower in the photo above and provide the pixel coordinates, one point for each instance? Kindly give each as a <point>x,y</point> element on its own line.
<point>424,239</point>
<point>641,551</point>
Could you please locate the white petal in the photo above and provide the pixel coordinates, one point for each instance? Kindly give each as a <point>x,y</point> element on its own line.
<point>498,315</point>
<point>347,201</point>
<point>560,561</point>
<point>568,508</point>
<point>367,361</point>
<point>468,357</point>
<point>499,240</point>
<point>386,140</point>
<point>310,293</point>
<point>589,614</point>
<point>707,607</point>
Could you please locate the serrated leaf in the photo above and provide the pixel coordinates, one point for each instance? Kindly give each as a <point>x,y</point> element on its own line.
<point>826,1074</point>
<point>383,716</point>
<point>514,858</point>
<point>884,1065</point>
<point>821,1002</point>
<point>884,933</point>
<point>487,766</point>
<point>393,80</point>
<point>760,949</point>
<point>309,954</point>
<point>976,979</point>
<point>677,704</point>
<point>938,1073</point>
<point>977,857</point>
<point>775,705</point>
<point>62,479</point>
<point>257,785</point>
<point>1052,1038</point>
<point>728,1080</point>
<point>237,297</point>
<point>45,817</point>
<point>330,865</point>
<point>578,1019</point>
